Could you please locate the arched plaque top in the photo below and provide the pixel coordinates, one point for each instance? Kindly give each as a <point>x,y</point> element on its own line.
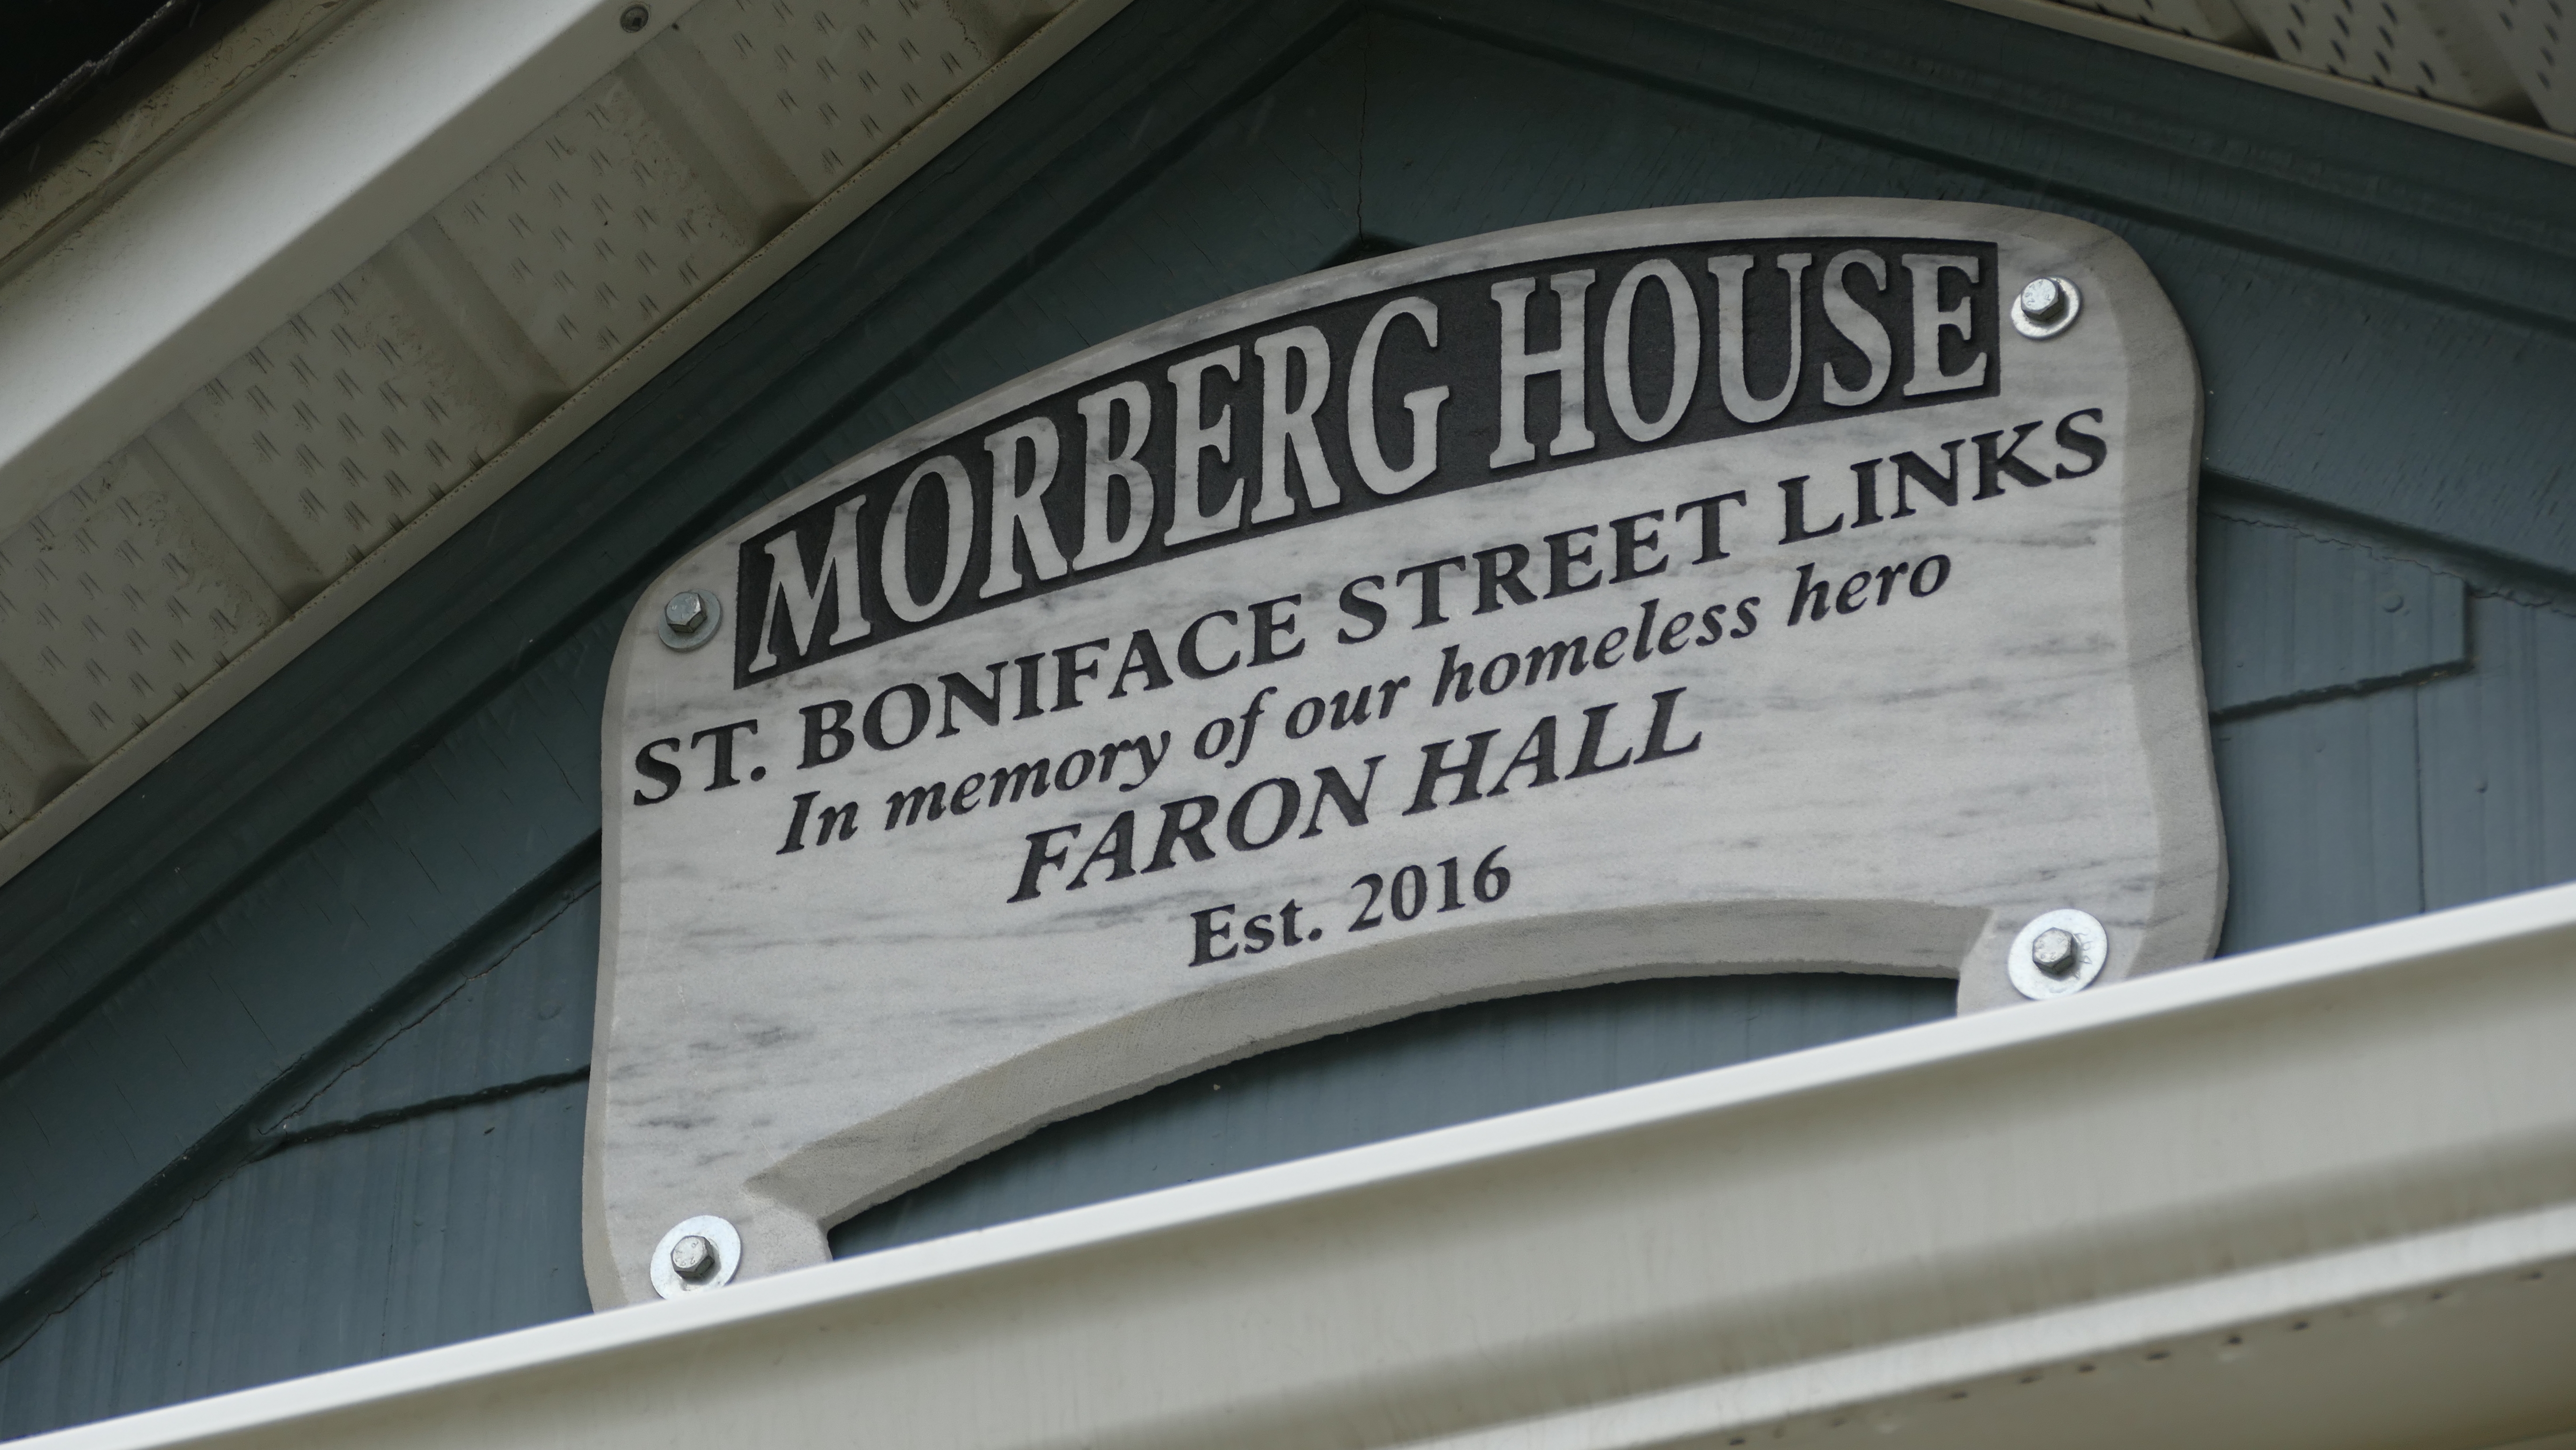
<point>1711,589</point>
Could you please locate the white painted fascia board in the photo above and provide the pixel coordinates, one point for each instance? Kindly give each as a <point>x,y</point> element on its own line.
<point>289,192</point>
<point>229,68</point>
<point>2321,1196</point>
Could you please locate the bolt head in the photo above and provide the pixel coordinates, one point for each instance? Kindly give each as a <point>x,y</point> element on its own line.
<point>634,19</point>
<point>2056,952</point>
<point>685,610</point>
<point>694,1259</point>
<point>2043,300</point>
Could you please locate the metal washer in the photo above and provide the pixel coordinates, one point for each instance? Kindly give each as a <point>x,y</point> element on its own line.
<point>2093,952</point>
<point>717,1231</point>
<point>2039,329</point>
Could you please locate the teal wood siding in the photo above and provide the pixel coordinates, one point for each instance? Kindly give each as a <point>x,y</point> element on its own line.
<point>293,1037</point>
<point>1426,1071</point>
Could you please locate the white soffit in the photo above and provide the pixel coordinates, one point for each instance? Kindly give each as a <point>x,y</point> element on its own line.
<point>303,179</point>
<point>209,461</point>
<point>2318,1196</point>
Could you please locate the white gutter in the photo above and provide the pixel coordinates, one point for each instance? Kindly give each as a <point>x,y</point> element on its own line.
<point>297,186</point>
<point>2322,1196</point>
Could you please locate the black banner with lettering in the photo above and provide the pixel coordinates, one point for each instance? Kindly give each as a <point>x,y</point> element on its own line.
<point>1458,381</point>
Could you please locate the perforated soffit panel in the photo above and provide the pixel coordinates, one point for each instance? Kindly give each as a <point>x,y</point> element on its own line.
<point>299,460</point>
<point>291,468</point>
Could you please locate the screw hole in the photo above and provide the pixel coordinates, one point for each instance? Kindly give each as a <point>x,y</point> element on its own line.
<point>634,19</point>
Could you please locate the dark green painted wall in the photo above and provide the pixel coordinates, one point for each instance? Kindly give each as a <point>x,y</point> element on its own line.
<point>292,1037</point>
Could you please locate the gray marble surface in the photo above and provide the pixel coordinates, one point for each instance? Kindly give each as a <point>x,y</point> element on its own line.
<point>783,1039</point>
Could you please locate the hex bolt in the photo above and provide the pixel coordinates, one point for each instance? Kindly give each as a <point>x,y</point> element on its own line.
<point>2058,953</point>
<point>694,1259</point>
<point>699,1252</point>
<point>634,19</point>
<point>2046,307</point>
<point>689,619</point>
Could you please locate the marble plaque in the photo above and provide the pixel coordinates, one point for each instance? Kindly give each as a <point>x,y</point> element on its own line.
<point>1740,588</point>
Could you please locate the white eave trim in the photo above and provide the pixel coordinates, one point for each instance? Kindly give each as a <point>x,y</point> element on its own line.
<point>172,340</point>
<point>2323,1196</point>
<point>303,180</point>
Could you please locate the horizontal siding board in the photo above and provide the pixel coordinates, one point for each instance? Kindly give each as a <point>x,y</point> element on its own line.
<point>1921,81</point>
<point>2346,363</point>
<point>1422,1072</point>
<point>440,1227</point>
<point>288,963</point>
<point>523,1017</point>
<point>2288,611</point>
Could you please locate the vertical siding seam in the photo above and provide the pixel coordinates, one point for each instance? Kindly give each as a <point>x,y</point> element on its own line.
<point>223,1154</point>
